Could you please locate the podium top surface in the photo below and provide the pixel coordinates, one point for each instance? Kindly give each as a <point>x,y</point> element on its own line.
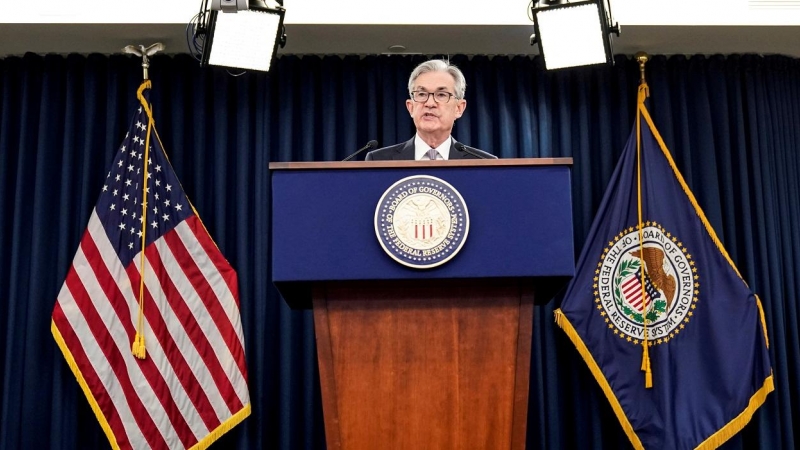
<point>313,165</point>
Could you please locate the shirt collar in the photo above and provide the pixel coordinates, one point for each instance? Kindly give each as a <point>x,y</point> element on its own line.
<point>421,148</point>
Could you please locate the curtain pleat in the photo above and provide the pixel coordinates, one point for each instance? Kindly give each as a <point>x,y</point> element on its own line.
<point>731,122</point>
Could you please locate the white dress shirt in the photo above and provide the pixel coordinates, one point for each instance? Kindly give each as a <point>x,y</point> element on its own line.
<point>421,149</point>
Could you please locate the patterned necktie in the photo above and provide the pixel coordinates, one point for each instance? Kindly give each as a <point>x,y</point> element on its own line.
<point>432,154</point>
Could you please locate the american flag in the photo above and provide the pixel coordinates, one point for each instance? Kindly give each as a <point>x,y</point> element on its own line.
<point>191,386</point>
<point>632,291</point>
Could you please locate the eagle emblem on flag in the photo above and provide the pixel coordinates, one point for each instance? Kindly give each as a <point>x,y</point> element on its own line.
<point>664,266</point>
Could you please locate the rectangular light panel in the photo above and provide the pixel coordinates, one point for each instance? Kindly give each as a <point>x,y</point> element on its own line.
<point>245,39</point>
<point>571,36</point>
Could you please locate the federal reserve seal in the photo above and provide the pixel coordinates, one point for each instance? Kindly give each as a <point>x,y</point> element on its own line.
<point>666,304</point>
<point>421,221</point>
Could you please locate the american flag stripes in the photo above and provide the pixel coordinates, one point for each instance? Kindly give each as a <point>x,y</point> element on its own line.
<point>632,291</point>
<point>191,386</point>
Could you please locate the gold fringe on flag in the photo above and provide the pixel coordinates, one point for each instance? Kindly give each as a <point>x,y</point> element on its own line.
<point>98,413</point>
<point>566,325</point>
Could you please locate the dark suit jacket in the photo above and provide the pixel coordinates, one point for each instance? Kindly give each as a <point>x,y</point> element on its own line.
<point>405,151</point>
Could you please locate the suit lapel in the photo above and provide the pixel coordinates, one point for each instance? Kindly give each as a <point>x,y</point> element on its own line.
<point>406,151</point>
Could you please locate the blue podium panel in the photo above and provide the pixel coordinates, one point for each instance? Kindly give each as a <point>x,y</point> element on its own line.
<point>323,222</point>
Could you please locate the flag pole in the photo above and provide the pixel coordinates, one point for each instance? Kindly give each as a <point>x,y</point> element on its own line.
<point>642,58</point>
<point>138,347</point>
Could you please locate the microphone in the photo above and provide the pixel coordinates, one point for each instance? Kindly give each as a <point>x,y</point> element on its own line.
<point>463,148</point>
<point>371,144</point>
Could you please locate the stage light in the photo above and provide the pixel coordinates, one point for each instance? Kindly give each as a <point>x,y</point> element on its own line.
<point>243,38</point>
<point>573,34</point>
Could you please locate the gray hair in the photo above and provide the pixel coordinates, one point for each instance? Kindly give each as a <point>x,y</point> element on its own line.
<point>438,65</point>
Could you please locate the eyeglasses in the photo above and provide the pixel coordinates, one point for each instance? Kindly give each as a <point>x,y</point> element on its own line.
<point>438,96</point>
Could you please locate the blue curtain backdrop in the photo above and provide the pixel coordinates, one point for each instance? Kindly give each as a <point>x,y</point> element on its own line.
<point>732,123</point>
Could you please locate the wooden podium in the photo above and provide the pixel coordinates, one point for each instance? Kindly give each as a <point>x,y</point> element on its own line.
<point>433,358</point>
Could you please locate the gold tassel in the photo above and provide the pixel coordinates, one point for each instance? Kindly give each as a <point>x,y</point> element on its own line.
<point>138,348</point>
<point>648,373</point>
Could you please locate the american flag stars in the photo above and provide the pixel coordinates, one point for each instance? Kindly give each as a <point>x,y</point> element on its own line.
<point>121,211</point>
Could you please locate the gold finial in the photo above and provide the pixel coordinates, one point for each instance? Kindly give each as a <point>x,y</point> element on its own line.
<point>641,58</point>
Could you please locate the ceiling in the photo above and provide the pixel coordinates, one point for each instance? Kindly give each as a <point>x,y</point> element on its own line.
<point>369,27</point>
<point>17,39</point>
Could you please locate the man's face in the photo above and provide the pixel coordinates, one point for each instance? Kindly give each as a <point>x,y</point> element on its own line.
<point>430,117</point>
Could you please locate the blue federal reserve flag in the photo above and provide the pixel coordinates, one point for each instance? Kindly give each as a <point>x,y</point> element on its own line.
<point>659,312</point>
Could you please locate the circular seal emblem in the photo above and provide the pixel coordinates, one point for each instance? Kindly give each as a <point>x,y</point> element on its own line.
<point>664,267</point>
<point>421,221</point>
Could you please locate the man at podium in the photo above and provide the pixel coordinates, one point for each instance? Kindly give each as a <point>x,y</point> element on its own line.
<point>437,99</point>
